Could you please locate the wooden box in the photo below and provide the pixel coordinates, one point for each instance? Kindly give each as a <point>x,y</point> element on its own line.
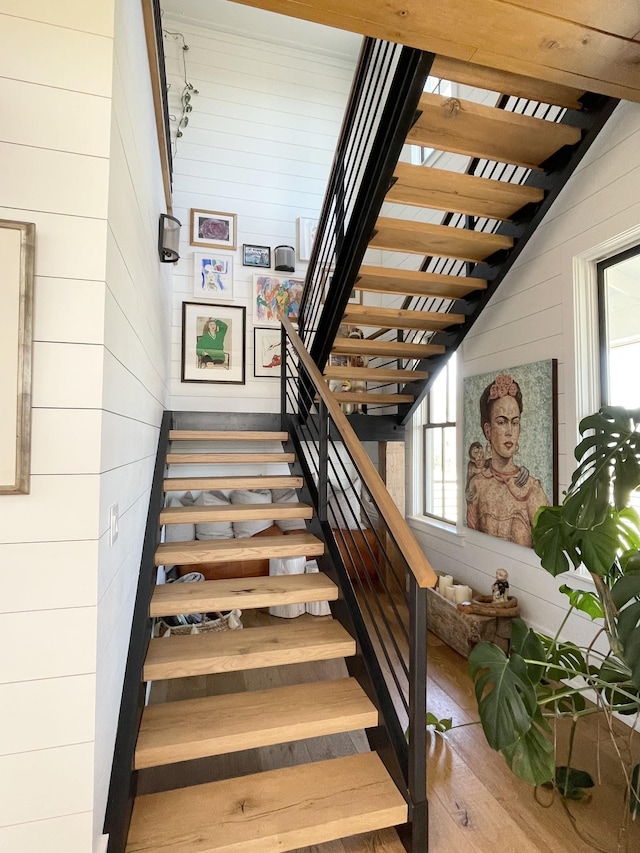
<point>462,631</point>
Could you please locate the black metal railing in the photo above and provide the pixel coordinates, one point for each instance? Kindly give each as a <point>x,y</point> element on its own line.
<point>386,90</point>
<point>381,571</point>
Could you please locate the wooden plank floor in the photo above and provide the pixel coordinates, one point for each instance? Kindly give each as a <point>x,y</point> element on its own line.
<point>475,803</point>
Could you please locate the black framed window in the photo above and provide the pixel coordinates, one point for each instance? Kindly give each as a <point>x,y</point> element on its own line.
<point>440,492</point>
<point>619,328</point>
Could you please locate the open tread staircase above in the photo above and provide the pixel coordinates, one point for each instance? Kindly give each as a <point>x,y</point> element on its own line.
<point>463,228</point>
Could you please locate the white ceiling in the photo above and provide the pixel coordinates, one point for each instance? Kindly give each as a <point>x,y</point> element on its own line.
<point>224,16</point>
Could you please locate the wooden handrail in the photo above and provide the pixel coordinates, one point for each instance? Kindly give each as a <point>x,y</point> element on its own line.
<point>398,527</point>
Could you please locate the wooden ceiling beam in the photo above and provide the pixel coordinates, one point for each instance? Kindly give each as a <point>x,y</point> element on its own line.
<point>587,45</point>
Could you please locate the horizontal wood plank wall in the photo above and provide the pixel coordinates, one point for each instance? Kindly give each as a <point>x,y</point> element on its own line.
<point>532,317</point>
<point>55,87</point>
<point>77,158</point>
<point>260,143</point>
<point>135,387</point>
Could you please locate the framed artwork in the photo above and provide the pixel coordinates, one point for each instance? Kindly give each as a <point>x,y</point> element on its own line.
<point>213,343</point>
<point>17,247</point>
<point>213,275</point>
<point>212,229</point>
<point>256,256</point>
<point>510,443</point>
<point>306,235</point>
<point>267,346</point>
<point>277,296</point>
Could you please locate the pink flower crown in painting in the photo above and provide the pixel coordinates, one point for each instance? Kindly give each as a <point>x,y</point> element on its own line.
<point>503,386</point>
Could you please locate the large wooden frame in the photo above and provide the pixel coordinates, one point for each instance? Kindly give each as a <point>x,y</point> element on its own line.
<point>17,241</point>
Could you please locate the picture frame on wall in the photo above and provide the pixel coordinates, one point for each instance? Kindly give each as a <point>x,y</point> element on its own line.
<point>306,235</point>
<point>510,444</point>
<point>276,297</point>
<point>213,275</point>
<point>17,250</point>
<point>213,343</point>
<point>256,256</point>
<point>212,229</point>
<point>267,351</point>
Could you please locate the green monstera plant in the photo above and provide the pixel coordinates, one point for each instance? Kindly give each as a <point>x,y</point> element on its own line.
<point>522,696</point>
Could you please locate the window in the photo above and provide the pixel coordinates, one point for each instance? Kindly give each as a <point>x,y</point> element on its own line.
<point>619,332</point>
<point>619,325</point>
<point>440,497</point>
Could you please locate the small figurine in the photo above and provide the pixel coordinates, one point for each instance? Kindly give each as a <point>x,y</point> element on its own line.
<point>500,589</point>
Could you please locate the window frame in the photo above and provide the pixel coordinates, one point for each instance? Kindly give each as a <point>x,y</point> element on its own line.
<point>429,426</point>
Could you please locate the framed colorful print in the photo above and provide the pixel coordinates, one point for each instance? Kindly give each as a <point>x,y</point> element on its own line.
<point>212,229</point>
<point>306,235</point>
<point>276,297</point>
<point>509,422</point>
<point>213,275</point>
<point>266,352</point>
<point>256,256</point>
<point>213,343</point>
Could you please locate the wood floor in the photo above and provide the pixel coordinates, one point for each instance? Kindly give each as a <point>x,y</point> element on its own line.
<point>475,804</point>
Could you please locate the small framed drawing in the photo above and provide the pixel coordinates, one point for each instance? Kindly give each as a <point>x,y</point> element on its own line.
<point>213,275</point>
<point>212,229</point>
<point>213,343</point>
<point>256,256</point>
<point>277,296</point>
<point>266,352</point>
<point>306,235</point>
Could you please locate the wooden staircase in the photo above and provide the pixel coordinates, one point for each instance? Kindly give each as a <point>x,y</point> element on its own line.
<point>448,237</point>
<point>276,810</point>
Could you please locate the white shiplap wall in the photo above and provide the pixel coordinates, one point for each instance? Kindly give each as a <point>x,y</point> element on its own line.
<point>84,169</point>
<point>259,143</point>
<point>530,318</point>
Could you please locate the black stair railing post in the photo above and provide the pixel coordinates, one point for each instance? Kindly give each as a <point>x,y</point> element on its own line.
<point>418,716</point>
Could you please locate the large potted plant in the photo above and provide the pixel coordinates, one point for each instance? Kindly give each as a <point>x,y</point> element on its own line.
<point>545,678</point>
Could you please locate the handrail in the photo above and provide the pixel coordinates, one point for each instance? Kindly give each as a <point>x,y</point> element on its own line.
<point>404,540</point>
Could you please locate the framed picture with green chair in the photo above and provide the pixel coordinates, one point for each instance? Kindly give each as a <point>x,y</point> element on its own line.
<point>213,343</point>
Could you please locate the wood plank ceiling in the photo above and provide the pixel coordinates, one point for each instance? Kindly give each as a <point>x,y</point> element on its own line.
<point>586,44</point>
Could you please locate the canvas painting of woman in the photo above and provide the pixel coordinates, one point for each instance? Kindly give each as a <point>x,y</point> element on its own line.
<point>509,435</point>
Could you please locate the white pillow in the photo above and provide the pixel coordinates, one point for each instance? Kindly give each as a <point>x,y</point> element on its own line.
<point>287,496</point>
<point>243,497</point>
<point>184,532</point>
<point>213,529</point>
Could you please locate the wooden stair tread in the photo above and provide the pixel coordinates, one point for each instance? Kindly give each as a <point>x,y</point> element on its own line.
<point>270,812</point>
<point>367,398</point>
<point>475,130</point>
<point>227,458</point>
<point>506,82</point>
<point>399,318</point>
<point>385,349</point>
<point>214,725</point>
<point>424,238</point>
<point>234,512</point>
<point>172,599</point>
<point>225,435</point>
<point>229,550</point>
<point>259,481</point>
<point>458,192</point>
<point>416,282</point>
<point>178,656</point>
<point>374,374</point>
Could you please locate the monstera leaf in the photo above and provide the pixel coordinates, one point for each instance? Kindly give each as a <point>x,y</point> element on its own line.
<point>625,594</point>
<point>505,694</point>
<point>531,757</point>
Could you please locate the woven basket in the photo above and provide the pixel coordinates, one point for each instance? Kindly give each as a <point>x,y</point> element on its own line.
<point>227,622</point>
